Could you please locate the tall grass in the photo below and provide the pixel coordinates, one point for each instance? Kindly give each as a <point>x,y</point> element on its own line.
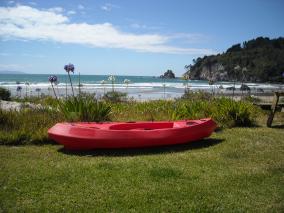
<point>27,126</point>
<point>147,111</point>
<point>226,112</point>
<point>85,109</point>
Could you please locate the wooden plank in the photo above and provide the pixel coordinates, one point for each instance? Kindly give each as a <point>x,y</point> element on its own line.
<point>267,106</point>
<point>273,108</point>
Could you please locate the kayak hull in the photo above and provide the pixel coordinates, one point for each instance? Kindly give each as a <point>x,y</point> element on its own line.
<point>87,136</point>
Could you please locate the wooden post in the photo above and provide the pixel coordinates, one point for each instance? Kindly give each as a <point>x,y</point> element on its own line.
<point>273,108</point>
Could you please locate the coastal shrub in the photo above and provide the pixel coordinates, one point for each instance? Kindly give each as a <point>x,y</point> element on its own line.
<point>231,113</point>
<point>225,111</point>
<point>192,110</point>
<point>115,96</point>
<point>5,94</point>
<point>84,109</point>
<point>199,95</point>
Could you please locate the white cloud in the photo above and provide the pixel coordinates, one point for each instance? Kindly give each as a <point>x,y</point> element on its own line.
<point>108,7</point>
<point>138,26</point>
<point>56,9</point>
<point>71,12</point>
<point>81,7</point>
<point>11,2</point>
<point>144,26</point>
<point>25,22</point>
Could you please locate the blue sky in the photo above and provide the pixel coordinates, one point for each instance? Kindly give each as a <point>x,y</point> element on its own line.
<point>128,37</point>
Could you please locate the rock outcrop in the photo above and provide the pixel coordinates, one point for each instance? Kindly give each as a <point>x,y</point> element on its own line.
<point>169,74</point>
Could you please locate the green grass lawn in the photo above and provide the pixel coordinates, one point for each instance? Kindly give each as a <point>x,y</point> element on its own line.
<point>236,170</point>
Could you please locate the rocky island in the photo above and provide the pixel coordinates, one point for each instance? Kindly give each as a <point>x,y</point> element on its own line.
<point>169,74</point>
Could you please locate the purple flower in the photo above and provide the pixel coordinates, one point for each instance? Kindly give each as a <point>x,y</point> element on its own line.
<point>19,88</point>
<point>283,74</point>
<point>52,79</point>
<point>69,68</point>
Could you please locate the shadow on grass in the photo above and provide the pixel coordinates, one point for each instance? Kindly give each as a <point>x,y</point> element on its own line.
<point>278,126</point>
<point>145,151</point>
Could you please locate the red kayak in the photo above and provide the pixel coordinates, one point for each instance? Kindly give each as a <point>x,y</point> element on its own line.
<point>85,136</point>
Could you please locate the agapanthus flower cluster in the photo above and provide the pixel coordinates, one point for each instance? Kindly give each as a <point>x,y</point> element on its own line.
<point>19,88</point>
<point>126,81</point>
<point>69,68</point>
<point>111,78</point>
<point>52,79</point>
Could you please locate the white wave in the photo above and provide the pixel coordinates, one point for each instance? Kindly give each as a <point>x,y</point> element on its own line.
<point>142,85</point>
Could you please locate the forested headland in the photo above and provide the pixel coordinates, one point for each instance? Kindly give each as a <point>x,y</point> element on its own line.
<point>256,60</point>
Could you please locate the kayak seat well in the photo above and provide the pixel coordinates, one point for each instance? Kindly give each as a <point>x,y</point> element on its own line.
<point>141,126</point>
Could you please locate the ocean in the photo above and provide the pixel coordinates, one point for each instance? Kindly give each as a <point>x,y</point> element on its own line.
<point>140,87</point>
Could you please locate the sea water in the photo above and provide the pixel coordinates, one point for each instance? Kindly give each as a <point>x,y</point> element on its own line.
<point>140,87</point>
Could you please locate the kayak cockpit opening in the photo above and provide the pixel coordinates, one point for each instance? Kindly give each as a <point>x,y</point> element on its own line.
<point>141,126</point>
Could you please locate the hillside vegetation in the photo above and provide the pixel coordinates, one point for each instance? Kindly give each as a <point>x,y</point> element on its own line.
<point>257,60</point>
